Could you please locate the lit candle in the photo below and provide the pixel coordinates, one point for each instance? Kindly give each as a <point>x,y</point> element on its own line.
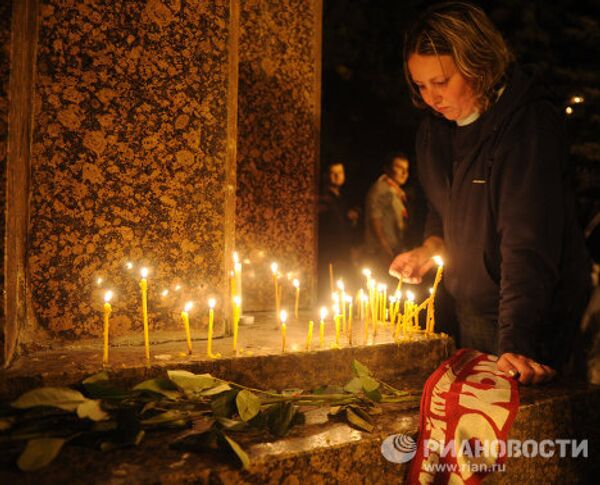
<point>310,335</point>
<point>211,321</point>
<point>144,288</point>
<point>392,300</point>
<point>408,307</point>
<point>337,319</point>
<point>237,272</point>
<point>107,311</point>
<point>274,268</point>
<point>296,284</point>
<point>349,329</point>
<point>322,327</point>
<point>185,316</point>
<point>331,277</point>
<point>283,318</point>
<point>342,301</point>
<point>237,308</point>
<point>431,306</point>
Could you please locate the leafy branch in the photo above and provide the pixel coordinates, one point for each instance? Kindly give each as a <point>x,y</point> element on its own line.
<point>101,415</point>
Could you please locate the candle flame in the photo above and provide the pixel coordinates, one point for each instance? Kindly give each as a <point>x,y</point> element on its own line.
<point>188,306</point>
<point>129,265</point>
<point>438,260</point>
<point>398,294</point>
<point>364,297</point>
<point>296,283</point>
<point>247,261</point>
<point>107,296</point>
<point>348,299</point>
<point>569,110</point>
<point>236,258</point>
<point>393,299</point>
<point>177,287</point>
<point>340,285</point>
<point>211,303</point>
<point>366,272</point>
<point>237,300</point>
<point>274,268</point>
<point>144,272</point>
<point>371,284</point>
<point>410,296</point>
<point>165,292</point>
<point>380,287</point>
<point>323,313</point>
<point>283,316</point>
<point>577,99</point>
<point>237,267</point>
<point>336,309</point>
<point>99,281</point>
<point>335,297</point>
<point>431,291</point>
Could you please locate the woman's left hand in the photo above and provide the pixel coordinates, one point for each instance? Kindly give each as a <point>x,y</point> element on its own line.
<point>526,370</point>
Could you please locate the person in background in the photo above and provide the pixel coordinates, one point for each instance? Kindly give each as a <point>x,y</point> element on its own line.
<point>386,214</point>
<point>337,233</point>
<point>492,160</point>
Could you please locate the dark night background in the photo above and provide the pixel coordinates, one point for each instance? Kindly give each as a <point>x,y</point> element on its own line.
<point>366,112</point>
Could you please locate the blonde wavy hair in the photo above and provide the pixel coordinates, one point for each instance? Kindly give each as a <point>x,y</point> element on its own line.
<point>464,32</point>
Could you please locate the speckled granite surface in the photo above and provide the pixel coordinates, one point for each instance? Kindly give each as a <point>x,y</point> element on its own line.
<point>5,19</point>
<point>128,160</point>
<point>279,99</point>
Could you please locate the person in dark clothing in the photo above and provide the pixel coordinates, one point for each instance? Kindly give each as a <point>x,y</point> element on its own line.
<point>337,230</point>
<point>492,157</point>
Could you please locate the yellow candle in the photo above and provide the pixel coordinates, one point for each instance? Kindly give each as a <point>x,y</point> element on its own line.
<point>438,274</point>
<point>310,335</point>
<point>283,318</point>
<point>237,305</point>
<point>144,288</point>
<point>337,319</point>
<point>391,311</point>
<point>237,273</point>
<point>211,321</point>
<point>296,283</point>
<point>431,308</point>
<point>331,277</point>
<point>349,320</point>
<point>107,311</point>
<point>342,301</point>
<point>408,309</point>
<point>274,268</point>
<point>185,316</point>
<point>322,327</point>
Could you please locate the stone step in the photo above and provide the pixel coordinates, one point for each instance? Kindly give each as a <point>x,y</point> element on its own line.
<point>322,451</point>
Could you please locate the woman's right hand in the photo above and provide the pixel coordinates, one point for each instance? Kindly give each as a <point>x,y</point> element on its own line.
<point>412,265</point>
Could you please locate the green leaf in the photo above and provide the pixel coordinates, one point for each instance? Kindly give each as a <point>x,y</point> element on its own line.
<point>231,424</point>
<point>204,384</point>
<point>223,405</point>
<point>369,384</point>
<point>216,390</point>
<point>280,418</point>
<point>359,369</point>
<point>170,419</point>
<point>374,396</point>
<point>99,386</point>
<point>248,404</point>
<point>357,421</point>
<point>91,409</point>
<point>39,452</point>
<point>159,386</point>
<point>238,450</point>
<point>354,386</point>
<point>58,397</point>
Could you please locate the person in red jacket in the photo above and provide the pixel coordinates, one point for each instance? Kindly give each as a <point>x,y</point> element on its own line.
<point>491,158</point>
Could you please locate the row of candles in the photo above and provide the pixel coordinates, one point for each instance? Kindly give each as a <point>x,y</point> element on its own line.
<point>374,308</point>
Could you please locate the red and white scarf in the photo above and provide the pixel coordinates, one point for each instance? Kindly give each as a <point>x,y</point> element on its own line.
<point>467,405</point>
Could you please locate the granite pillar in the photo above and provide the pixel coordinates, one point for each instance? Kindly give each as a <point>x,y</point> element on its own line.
<point>278,133</point>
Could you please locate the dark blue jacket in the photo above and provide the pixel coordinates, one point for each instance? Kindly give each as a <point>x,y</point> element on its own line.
<point>507,216</point>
